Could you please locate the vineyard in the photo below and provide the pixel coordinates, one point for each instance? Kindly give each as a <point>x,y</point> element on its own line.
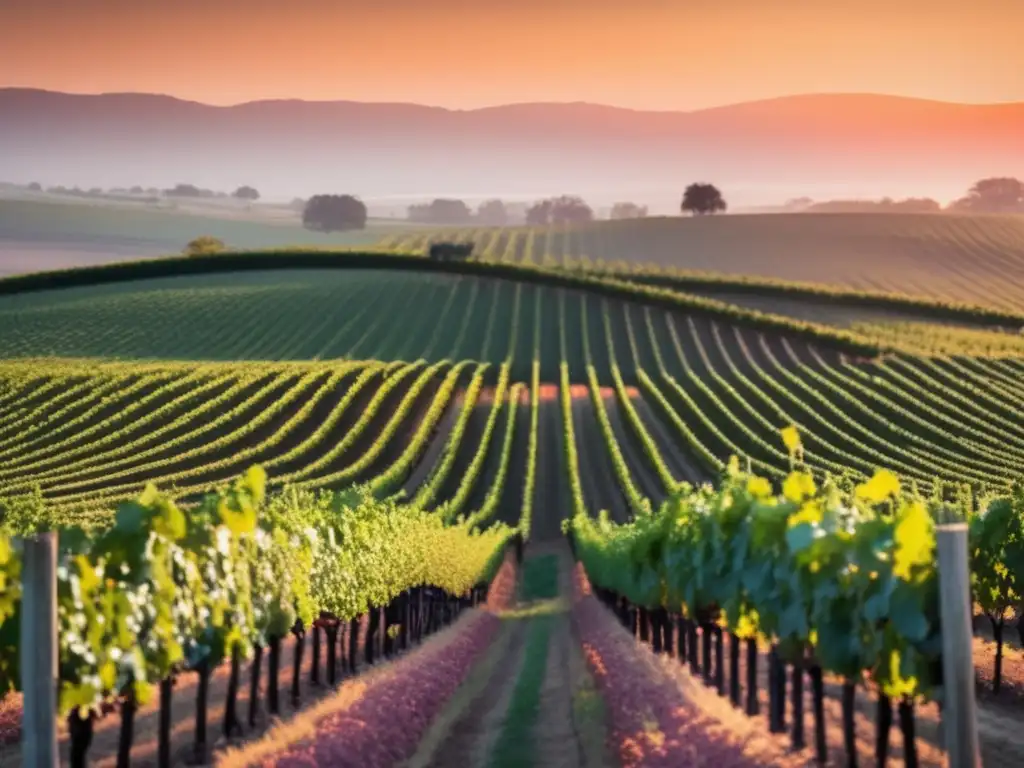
<point>975,259</point>
<point>541,387</point>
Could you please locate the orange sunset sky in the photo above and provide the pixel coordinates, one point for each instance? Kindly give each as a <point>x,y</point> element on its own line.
<point>648,54</point>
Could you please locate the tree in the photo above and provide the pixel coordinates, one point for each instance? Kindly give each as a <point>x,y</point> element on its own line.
<point>995,195</point>
<point>539,214</point>
<point>569,209</point>
<point>334,213</point>
<point>246,193</point>
<point>441,211</point>
<point>35,186</point>
<point>204,245</point>
<point>566,209</point>
<point>492,213</point>
<point>184,190</point>
<point>702,199</point>
<point>628,211</point>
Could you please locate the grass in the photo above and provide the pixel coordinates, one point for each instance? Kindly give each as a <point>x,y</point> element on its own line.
<point>483,673</point>
<point>514,746</point>
<point>540,578</point>
<point>149,231</point>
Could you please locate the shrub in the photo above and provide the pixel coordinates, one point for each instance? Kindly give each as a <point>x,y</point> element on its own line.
<point>203,245</point>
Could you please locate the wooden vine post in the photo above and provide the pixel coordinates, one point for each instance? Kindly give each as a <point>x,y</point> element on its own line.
<point>958,714</point>
<point>39,651</point>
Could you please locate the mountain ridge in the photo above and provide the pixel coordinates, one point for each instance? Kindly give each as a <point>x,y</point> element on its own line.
<point>821,145</point>
<point>784,98</point>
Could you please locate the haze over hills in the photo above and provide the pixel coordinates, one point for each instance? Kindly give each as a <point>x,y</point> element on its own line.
<point>824,146</point>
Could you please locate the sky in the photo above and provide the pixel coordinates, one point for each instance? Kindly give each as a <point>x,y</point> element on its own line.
<point>463,54</point>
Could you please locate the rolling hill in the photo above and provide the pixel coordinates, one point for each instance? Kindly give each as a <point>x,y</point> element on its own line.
<point>976,259</point>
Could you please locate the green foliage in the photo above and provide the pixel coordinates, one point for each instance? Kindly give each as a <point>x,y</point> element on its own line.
<point>848,576</point>
<point>997,555</point>
<point>10,597</point>
<point>237,262</point>
<point>204,245</point>
<point>688,280</point>
<point>164,590</point>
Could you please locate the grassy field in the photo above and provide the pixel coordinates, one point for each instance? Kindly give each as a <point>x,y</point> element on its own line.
<point>44,234</point>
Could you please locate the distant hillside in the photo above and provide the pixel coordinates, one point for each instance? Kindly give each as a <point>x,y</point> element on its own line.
<point>43,235</point>
<point>976,259</point>
<point>826,146</point>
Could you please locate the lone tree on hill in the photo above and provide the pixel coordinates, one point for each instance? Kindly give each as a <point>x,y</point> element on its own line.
<point>702,199</point>
<point>996,195</point>
<point>334,213</point>
<point>246,193</point>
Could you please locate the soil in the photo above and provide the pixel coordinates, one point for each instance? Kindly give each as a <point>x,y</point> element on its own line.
<point>564,734</point>
<point>1010,697</point>
<point>471,737</point>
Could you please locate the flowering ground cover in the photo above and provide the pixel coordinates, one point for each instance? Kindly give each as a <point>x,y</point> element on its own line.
<point>649,721</point>
<point>378,719</point>
<point>384,725</point>
<point>10,719</point>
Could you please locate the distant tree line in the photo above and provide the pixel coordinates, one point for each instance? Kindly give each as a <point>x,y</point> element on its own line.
<point>886,204</point>
<point>245,192</point>
<point>628,211</point>
<point>448,211</point>
<point>563,209</point>
<point>993,195</point>
<point>566,209</point>
<point>332,212</point>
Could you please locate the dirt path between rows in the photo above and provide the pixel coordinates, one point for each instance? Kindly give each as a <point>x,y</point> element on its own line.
<point>565,730</point>
<point>489,692</point>
<point>569,730</point>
